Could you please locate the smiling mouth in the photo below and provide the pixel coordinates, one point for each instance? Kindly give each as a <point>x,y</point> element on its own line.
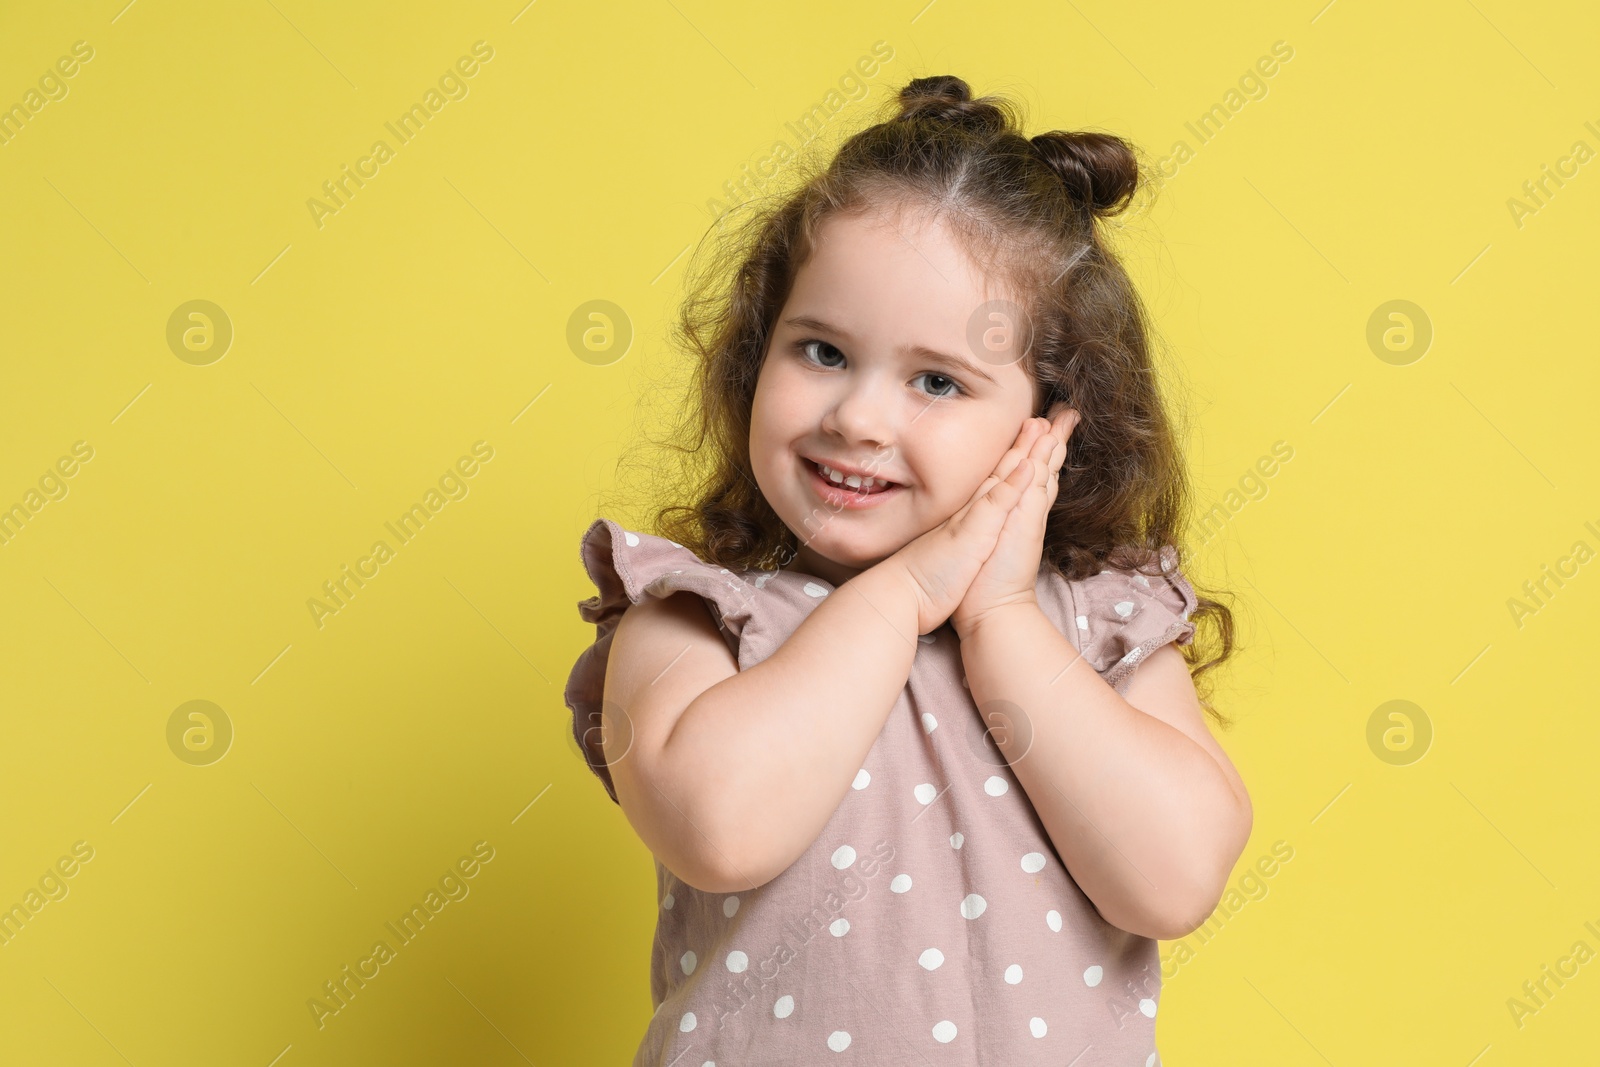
<point>845,494</point>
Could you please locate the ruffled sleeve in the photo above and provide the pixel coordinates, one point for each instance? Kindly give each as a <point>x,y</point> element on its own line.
<point>626,567</point>
<point>1117,618</point>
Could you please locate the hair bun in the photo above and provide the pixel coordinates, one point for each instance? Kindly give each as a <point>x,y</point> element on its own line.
<point>1098,169</point>
<point>946,98</point>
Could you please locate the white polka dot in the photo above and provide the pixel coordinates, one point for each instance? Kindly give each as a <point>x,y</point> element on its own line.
<point>929,723</point>
<point>738,961</point>
<point>1036,1027</point>
<point>1142,580</point>
<point>1083,622</point>
<point>955,840</point>
<point>839,927</point>
<point>995,785</point>
<point>1147,1007</point>
<point>925,793</point>
<point>762,580</point>
<point>1052,919</point>
<point>843,857</point>
<point>931,959</point>
<point>1151,1061</point>
<point>972,906</point>
<point>1014,974</point>
<point>687,961</point>
<point>1092,976</point>
<point>901,883</point>
<point>812,589</point>
<point>730,906</point>
<point>1124,608</point>
<point>631,537</point>
<point>944,1032</point>
<point>861,780</point>
<point>1033,863</point>
<point>784,1007</point>
<point>686,1023</point>
<point>838,1041</point>
<point>668,901</point>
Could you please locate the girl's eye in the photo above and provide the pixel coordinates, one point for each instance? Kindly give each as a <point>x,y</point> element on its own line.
<point>803,348</point>
<point>952,385</point>
<point>950,389</point>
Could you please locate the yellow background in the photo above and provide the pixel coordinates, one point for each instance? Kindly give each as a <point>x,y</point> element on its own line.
<point>431,312</point>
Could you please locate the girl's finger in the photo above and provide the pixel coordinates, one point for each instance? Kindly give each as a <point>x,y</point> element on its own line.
<point>1034,503</point>
<point>1031,432</point>
<point>1043,456</point>
<point>1005,492</point>
<point>1012,458</point>
<point>1027,437</point>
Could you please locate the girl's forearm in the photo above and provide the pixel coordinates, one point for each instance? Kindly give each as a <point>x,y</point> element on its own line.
<point>775,748</point>
<point>1144,818</point>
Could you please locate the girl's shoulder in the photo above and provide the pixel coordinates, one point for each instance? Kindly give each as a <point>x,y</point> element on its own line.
<point>1117,617</point>
<point>626,566</point>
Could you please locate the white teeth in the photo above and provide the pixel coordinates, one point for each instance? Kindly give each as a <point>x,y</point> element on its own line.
<point>854,481</point>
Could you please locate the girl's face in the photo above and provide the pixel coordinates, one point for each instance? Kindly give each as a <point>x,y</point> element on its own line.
<point>852,378</point>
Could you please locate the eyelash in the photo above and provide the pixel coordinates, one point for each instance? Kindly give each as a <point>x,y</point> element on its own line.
<point>960,390</point>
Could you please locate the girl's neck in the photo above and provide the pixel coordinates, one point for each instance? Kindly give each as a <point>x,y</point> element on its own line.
<point>808,563</point>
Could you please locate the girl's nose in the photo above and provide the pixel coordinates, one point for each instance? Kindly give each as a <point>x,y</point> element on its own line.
<point>863,412</point>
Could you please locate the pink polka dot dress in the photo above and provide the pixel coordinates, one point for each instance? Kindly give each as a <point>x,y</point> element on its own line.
<point>932,922</point>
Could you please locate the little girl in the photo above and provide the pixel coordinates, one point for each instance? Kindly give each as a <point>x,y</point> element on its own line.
<point>922,766</point>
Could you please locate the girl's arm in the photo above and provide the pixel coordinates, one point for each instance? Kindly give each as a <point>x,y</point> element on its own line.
<point>742,780</point>
<point>1138,798</point>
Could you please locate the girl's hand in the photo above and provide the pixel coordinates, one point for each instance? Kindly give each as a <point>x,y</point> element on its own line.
<point>1009,575</point>
<point>942,563</point>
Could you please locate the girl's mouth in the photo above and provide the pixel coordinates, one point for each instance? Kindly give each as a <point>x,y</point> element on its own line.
<point>842,496</point>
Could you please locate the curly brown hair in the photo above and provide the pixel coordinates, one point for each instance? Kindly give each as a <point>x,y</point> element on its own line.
<point>1027,211</point>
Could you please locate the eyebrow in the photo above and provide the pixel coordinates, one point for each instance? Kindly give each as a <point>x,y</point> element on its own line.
<point>917,351</point>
